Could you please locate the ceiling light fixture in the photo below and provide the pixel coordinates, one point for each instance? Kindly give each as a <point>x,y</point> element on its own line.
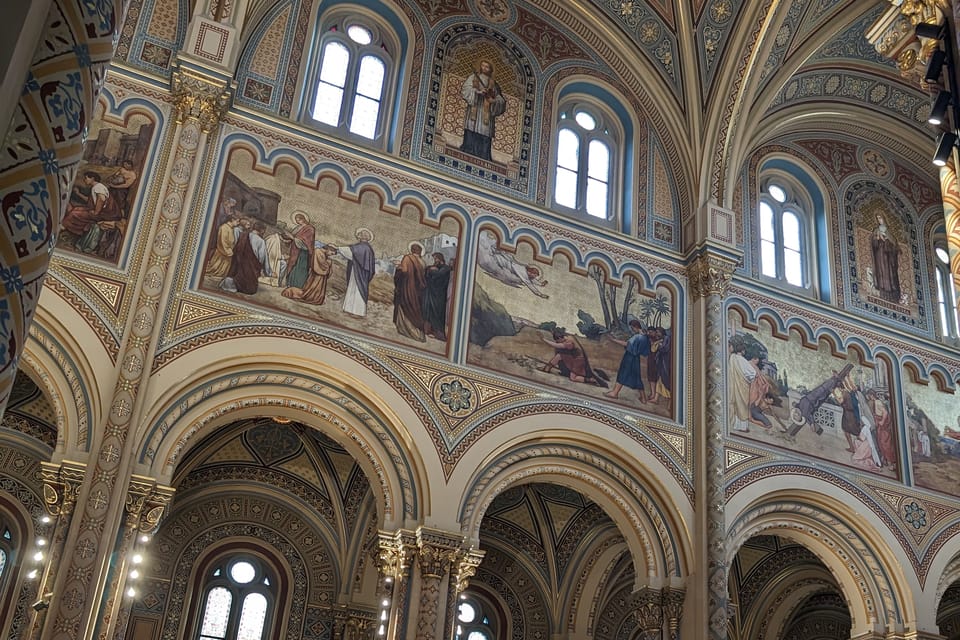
<point>945,144</point>
<point>935,66</point>
<point>938,110</point>
<point>928,30</point>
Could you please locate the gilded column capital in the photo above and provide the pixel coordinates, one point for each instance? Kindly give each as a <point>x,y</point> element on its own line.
<point>438,551</point>
<point>709,273</point>
<point>61,485</point>
<point>648,609</point>
<point>394,553</point>
<point>673,610</point>
<point>467,565</point>
<point>199,97</point>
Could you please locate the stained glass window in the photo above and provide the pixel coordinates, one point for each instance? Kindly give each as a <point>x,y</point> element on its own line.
<point>355,69</point>
<point>584,165</point>
<point>238,600</point>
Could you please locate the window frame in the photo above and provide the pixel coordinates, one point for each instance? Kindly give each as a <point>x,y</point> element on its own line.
<point>946,296</point>
<point>383,47</point>
<point>607,131</point>
<point>797,203</point>
<point>239,592</point>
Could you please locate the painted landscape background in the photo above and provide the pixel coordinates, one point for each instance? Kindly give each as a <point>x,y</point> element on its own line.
<point>933,426</point>
<point>522,305</point>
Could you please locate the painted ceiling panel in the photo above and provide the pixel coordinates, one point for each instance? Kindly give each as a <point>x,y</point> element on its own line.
<point>713,35</point>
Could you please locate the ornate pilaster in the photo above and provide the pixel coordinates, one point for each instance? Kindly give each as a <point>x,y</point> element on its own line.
<point>394,559</point>
<point>464,567</point>
<point>438,552</point>
<point>42,147</point>
<point>710,268</point>
<point>648,609</point>
<point>673,611</point>
<point>80,607</point>
<point>145,506</point>
<point>61,486</point>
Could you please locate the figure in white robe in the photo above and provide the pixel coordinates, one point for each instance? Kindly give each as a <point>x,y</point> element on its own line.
<point>361,267</point>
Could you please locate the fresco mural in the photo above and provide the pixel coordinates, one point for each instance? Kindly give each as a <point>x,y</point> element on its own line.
<point>304,249</point>
<point>105,190</point>
<point>883,252</point>
<point>544,322</point>
<point>480,110</point>
<point>809,400</point>
<point>933,427</point>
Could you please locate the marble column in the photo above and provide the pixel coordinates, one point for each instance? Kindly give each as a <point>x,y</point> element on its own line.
<point>710,267</point>
<point>77,609</point>
<point>395,558</point>
<point>41,151</point>
<point>437,551</point>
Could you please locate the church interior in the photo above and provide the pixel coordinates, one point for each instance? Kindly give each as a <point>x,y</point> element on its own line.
<point>480,320</point>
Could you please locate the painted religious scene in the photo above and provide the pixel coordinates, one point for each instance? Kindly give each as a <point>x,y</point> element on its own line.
<point>305,250</point>
<point>882,247</point>
<point>545,323</point>
<point>479,121</point>
<point>933,426</point>
<point>810,401</point>
<point>105,190</point>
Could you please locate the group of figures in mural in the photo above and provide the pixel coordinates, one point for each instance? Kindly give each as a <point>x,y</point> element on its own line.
<point>837,408</point>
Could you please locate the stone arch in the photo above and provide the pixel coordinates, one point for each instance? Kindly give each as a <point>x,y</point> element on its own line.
<point>629,495</point>
<point>371,426</point>
<point>871,581</point>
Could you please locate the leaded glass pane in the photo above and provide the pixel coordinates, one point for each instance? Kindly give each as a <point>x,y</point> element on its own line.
<point>467,612</point>
<point>598,161</point>
<point>766,222</point>
<point>942,300</point>
<point>477,635</point>
<point>777,193</point>
<point>243,572</point>
<point>252,617</point>
<point>216,613</point>
<point>768,258</point>
<point>3,561</point>
<point>360,35</point>
<point>370,78</point>
<point>568,151</point>
<point>793,267</point>
<point>597,198</point>
<point>586,120</point>
<point>565,192</point>
<point>327,107</point>
<point>336,60</point>
<point>791,231</point>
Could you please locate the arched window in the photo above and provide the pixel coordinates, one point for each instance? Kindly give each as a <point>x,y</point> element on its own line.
<point>354,79</point>
<point>946,293</point>
<point>785,233</point>
<point>587,162</point>
<point>475,621</point>
<point>238,600</point>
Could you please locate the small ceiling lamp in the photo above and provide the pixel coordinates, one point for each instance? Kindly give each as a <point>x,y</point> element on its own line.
<point>945,144</point>
<point>935,66</point>
<point>939,108</point>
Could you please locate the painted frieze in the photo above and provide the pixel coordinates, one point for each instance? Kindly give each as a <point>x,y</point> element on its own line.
<point>810,399</point>
<point>109,181</point>
<point>304,248</point>
<point>933,429</point>
<point>548,321</point>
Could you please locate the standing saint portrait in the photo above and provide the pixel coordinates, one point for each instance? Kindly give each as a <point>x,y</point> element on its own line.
<point>886,262</point>
<point>361,267</point>
<point>485,102</point>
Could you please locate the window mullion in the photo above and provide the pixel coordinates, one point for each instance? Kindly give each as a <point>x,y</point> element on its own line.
<point>583,167</point>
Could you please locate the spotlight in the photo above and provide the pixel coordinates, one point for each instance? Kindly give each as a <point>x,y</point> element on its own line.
<point>939,108</point>
<point>927,30</point>
<point>935,66</point>
<point>945,144</point>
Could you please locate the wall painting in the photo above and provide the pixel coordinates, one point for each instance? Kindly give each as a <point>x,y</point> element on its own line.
<point>547,323</point>
<point>809,401</point>
<point>305,249</point>
<point>105,190</point>
<point>480,112</point>
<point>933,427</point>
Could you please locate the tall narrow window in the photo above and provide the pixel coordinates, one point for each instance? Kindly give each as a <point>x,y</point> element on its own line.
<point>784,226</point>
<point>237,602</point>
<point>946,294</point>
<point>354,78</point>
<point>586,164</point>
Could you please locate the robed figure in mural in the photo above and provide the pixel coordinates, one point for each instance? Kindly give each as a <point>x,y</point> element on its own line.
<point>435,297</point>
<point>302,240</point>
<point>85,213</point>
<point>361,267</point>
<point>484,103</point>
<point>409,284</point>
<point>886,262</point>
